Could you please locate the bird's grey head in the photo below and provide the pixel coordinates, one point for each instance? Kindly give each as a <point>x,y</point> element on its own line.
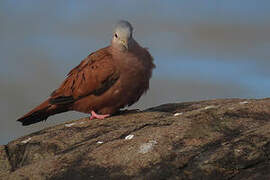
<point>122,37</point>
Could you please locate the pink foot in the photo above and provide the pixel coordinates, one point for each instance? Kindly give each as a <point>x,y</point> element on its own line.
<point>98,116</point>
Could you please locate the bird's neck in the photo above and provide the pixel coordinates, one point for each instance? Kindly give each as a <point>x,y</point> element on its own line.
<point>118,49</point>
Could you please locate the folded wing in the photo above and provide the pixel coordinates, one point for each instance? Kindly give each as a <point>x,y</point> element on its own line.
<point>94,75</point>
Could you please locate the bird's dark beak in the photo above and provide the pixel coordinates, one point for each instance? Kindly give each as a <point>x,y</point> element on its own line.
<point>125,43</point>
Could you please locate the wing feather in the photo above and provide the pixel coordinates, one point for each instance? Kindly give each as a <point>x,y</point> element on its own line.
<point>94,75</point>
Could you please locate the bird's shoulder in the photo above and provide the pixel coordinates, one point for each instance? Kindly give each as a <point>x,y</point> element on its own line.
<point>97,57</point>
<point>95,74</point>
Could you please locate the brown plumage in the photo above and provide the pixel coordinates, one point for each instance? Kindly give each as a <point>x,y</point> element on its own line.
<point>105,81</point>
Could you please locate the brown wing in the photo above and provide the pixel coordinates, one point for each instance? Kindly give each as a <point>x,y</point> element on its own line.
<point>94,75</point>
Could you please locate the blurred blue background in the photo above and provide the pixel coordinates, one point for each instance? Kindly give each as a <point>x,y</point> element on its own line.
<point>202,49</point>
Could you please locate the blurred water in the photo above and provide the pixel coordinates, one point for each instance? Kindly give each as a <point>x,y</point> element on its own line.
<point>202,50</point>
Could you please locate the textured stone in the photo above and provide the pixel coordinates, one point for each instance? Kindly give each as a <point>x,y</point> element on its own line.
<point>230,140</point>
<point>5,167</point>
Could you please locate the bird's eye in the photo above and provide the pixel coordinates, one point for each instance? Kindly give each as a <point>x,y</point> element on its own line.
<point>115,35</point>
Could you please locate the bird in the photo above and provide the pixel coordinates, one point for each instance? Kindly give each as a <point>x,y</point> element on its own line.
<point>106,81</point>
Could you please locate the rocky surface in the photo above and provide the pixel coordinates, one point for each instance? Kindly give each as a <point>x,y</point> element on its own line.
<point>215,139</point>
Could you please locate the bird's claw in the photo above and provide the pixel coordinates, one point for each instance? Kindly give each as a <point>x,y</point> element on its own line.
<point>94,115</point>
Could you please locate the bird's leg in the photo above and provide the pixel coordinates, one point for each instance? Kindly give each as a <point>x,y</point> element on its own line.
<point>94,115</point>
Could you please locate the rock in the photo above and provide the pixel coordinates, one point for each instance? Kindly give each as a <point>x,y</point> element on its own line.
<point>215,139</point>
<point>5,167</point>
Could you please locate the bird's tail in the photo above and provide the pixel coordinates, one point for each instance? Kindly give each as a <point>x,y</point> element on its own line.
<point>41,112</point>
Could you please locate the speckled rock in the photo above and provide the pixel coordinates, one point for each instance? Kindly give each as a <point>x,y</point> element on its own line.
<point>214,139</point>
<point>5,167</point>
